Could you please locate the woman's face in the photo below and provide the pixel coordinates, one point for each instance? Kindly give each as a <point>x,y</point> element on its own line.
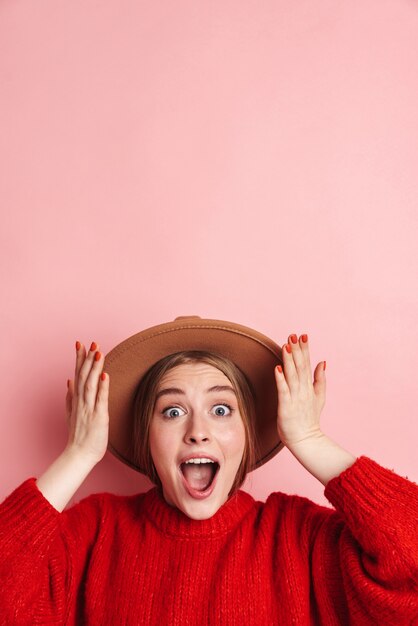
<point>196,422</point>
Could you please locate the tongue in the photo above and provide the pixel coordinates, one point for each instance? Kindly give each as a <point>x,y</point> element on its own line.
<point>198,476</point>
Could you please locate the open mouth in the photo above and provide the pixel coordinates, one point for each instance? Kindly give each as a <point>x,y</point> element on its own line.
<point>199,477</point>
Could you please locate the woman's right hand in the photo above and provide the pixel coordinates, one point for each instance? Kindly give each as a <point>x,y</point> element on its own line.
<point>87,406</point>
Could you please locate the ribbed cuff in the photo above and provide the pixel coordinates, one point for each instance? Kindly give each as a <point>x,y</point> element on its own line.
<point>27,516</point>
<point>366,488</point>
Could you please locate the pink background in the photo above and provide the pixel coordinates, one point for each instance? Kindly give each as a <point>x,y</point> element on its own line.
<point>245,161</point>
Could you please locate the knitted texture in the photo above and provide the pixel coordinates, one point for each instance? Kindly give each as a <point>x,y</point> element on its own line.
<point>113,560</point>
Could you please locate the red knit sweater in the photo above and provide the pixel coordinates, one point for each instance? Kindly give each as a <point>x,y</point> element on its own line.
<point>114,560</point>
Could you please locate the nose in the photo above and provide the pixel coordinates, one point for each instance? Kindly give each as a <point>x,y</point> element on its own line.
<point>196,430</point>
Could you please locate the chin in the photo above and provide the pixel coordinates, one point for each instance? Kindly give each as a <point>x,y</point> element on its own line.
<point>201,510</point>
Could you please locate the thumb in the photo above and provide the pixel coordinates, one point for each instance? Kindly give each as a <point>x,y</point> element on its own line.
<point>69,399</point>
<point>319,384</point>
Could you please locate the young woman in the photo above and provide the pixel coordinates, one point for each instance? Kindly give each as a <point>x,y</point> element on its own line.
<point>196,404</point>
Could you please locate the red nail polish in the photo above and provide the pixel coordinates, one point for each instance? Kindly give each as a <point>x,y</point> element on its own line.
<point>103,376</point>
<point>68,384</point>
<point>325,364</point>
<point>288,348</point>
<point>77,345</point>
<point>279,367</point>
<point>97,356</point>
<point>93,346</point>
<point>304,338</point>
<point>294,338</point>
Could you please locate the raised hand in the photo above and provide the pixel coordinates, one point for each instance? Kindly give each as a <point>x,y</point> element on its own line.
<point>300,401</point>
<point>87,405</point>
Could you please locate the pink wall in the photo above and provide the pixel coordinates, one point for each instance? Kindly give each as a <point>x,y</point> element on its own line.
<point>247,161</point>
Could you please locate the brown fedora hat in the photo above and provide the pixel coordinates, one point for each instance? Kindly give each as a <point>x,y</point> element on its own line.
<point>255,354</point>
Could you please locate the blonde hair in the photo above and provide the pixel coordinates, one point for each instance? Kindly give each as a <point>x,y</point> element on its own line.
<point>144,405</point>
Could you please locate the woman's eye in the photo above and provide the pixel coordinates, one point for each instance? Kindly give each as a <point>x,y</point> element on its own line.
<point>222,405</point>
<point>171,408</point>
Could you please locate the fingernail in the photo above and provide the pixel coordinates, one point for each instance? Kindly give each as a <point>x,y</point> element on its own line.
<point>288,348</point>
<point>97,356</point>
<point>68,384</point>
<point>103,376</point>
<point>304,338</point>
<point>325,364</point>
<point>279,367</point>
<point>93,346</point>
<point>294,338</point>
<point>77,345</point>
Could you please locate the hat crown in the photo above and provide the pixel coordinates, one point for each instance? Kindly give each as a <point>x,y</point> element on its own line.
<point>187,317</point>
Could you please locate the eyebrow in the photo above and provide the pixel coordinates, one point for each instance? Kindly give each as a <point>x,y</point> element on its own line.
<point>176,390</point>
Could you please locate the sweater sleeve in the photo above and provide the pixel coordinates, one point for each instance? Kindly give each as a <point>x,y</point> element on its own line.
<point>42,555</point>
<point>369,546</point>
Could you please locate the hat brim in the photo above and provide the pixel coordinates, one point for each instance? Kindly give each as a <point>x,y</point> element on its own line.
<point>254,353</point>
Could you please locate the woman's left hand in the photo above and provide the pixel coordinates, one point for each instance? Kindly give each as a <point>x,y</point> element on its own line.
<point>300,401</point>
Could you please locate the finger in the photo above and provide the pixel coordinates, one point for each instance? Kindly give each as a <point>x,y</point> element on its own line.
<point>282,386</point>
<point>304,348</point>
<point>85,368</point>
<point>79,360</point>
<point>290,372</point>
<point>92,381</point>
<point>103,393</point>
<point>298,358</point>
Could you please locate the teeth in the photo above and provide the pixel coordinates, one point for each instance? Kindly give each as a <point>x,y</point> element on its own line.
<point>203,460</point>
